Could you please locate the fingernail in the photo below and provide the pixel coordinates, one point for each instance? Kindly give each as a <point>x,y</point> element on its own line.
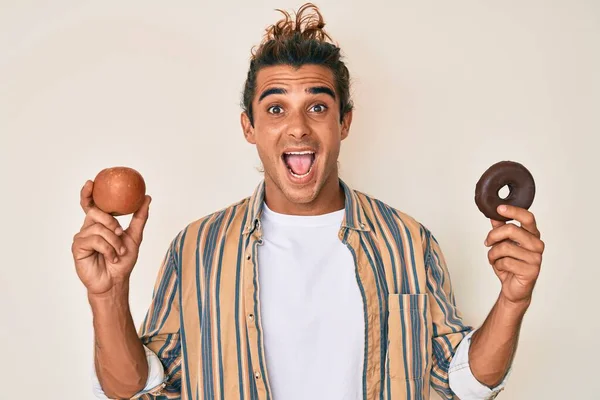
<point>485,242</point>
<point>119,231</point>
<point>122,250</point>
<point>502,209</point>
<point>115,260</point>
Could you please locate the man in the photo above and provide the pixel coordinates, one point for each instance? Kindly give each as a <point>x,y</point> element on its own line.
<point>308,289</point>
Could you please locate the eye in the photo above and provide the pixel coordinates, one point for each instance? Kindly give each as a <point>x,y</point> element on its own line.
<point>318,108</point>
<point>275,110</point>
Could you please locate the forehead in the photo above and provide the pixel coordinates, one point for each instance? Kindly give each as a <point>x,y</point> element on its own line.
<point>291,78</point>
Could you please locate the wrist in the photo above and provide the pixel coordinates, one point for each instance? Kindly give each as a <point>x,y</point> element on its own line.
<point>117,294</point>
<point>513,308</point>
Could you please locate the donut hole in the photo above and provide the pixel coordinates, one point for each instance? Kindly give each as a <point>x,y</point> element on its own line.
<point>504,192</point>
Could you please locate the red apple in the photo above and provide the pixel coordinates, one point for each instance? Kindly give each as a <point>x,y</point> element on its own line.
<point>119,190</point>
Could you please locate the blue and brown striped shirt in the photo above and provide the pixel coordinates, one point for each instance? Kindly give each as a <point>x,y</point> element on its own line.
<point>204,321</point>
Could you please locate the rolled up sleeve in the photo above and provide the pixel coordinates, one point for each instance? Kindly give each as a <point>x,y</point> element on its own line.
<point>462,381</point>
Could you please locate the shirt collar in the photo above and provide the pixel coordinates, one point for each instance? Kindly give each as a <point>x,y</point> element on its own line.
<point>354,214</point>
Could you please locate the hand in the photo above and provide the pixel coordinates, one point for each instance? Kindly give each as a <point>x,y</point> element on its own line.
<point>516,253</point>
<point>104,253</point>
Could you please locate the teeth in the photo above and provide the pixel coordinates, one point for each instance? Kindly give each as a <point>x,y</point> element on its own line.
<point>300,176</point>
<point>299,153</point>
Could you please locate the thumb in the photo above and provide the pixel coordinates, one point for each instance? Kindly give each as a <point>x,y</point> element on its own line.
<point>138,221</point>
<point>496,224</point>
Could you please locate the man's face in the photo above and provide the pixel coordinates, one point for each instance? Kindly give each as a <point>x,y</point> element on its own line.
<point>297,130</point>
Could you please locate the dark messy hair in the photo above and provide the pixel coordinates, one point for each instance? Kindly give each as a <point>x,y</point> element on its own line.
<point>297,42</point>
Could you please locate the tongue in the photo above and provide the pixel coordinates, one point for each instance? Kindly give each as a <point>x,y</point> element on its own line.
<point>299,163</point>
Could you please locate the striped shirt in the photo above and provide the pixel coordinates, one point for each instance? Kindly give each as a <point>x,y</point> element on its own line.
<point>204,320</point>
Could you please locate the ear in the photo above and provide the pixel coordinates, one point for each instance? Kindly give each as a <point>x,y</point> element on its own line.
<point>247,128</point>
<point>346,122</point>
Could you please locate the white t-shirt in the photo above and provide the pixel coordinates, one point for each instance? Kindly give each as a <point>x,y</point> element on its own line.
<point>311,308</point>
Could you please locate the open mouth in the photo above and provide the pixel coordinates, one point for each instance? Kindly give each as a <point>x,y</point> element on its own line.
<point>299,163</point>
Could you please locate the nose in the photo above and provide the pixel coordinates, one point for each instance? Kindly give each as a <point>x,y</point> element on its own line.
<point>299,127</point>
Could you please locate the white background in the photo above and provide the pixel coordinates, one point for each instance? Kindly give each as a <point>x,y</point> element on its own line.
<point>442,91</point>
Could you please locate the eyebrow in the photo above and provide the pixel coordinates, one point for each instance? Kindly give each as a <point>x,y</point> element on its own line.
<point>271,91</point>
<point>311,90</point>
<point>321,89</point>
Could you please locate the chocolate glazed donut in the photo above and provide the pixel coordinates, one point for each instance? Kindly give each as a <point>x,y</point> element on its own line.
<point>505,173</point>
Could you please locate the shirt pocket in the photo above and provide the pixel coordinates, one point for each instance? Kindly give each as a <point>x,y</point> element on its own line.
<point>409,337</point>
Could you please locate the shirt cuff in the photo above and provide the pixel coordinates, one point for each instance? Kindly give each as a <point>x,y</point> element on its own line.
<point>156,376</point>
<point>462,381</point>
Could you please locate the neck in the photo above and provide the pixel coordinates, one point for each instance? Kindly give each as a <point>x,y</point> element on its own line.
<point>329,199</point>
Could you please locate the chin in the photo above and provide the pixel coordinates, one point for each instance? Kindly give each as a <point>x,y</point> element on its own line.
<point>304,195</point>
<point>295,192</point>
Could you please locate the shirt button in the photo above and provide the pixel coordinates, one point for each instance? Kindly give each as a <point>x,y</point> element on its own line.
<point>257,374</point>
<point>248,257</point>
<point>362,226</point>
<point>251,317</point>
<point>260,241</point>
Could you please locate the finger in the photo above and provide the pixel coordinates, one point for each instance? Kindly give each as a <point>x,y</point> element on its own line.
<point>516,234</point>
<point>508,249</point>
<point>95,215</point>
<point>516,267</point>
<point>84,247</point>
<point>85,197</point>
<point>110,236</point>
<point>525,217</point>
<point>138,221</point>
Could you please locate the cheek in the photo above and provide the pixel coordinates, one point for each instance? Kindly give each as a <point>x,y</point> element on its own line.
<point>268,131</point>
<point>333,139</point>
<point>267,144</point>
